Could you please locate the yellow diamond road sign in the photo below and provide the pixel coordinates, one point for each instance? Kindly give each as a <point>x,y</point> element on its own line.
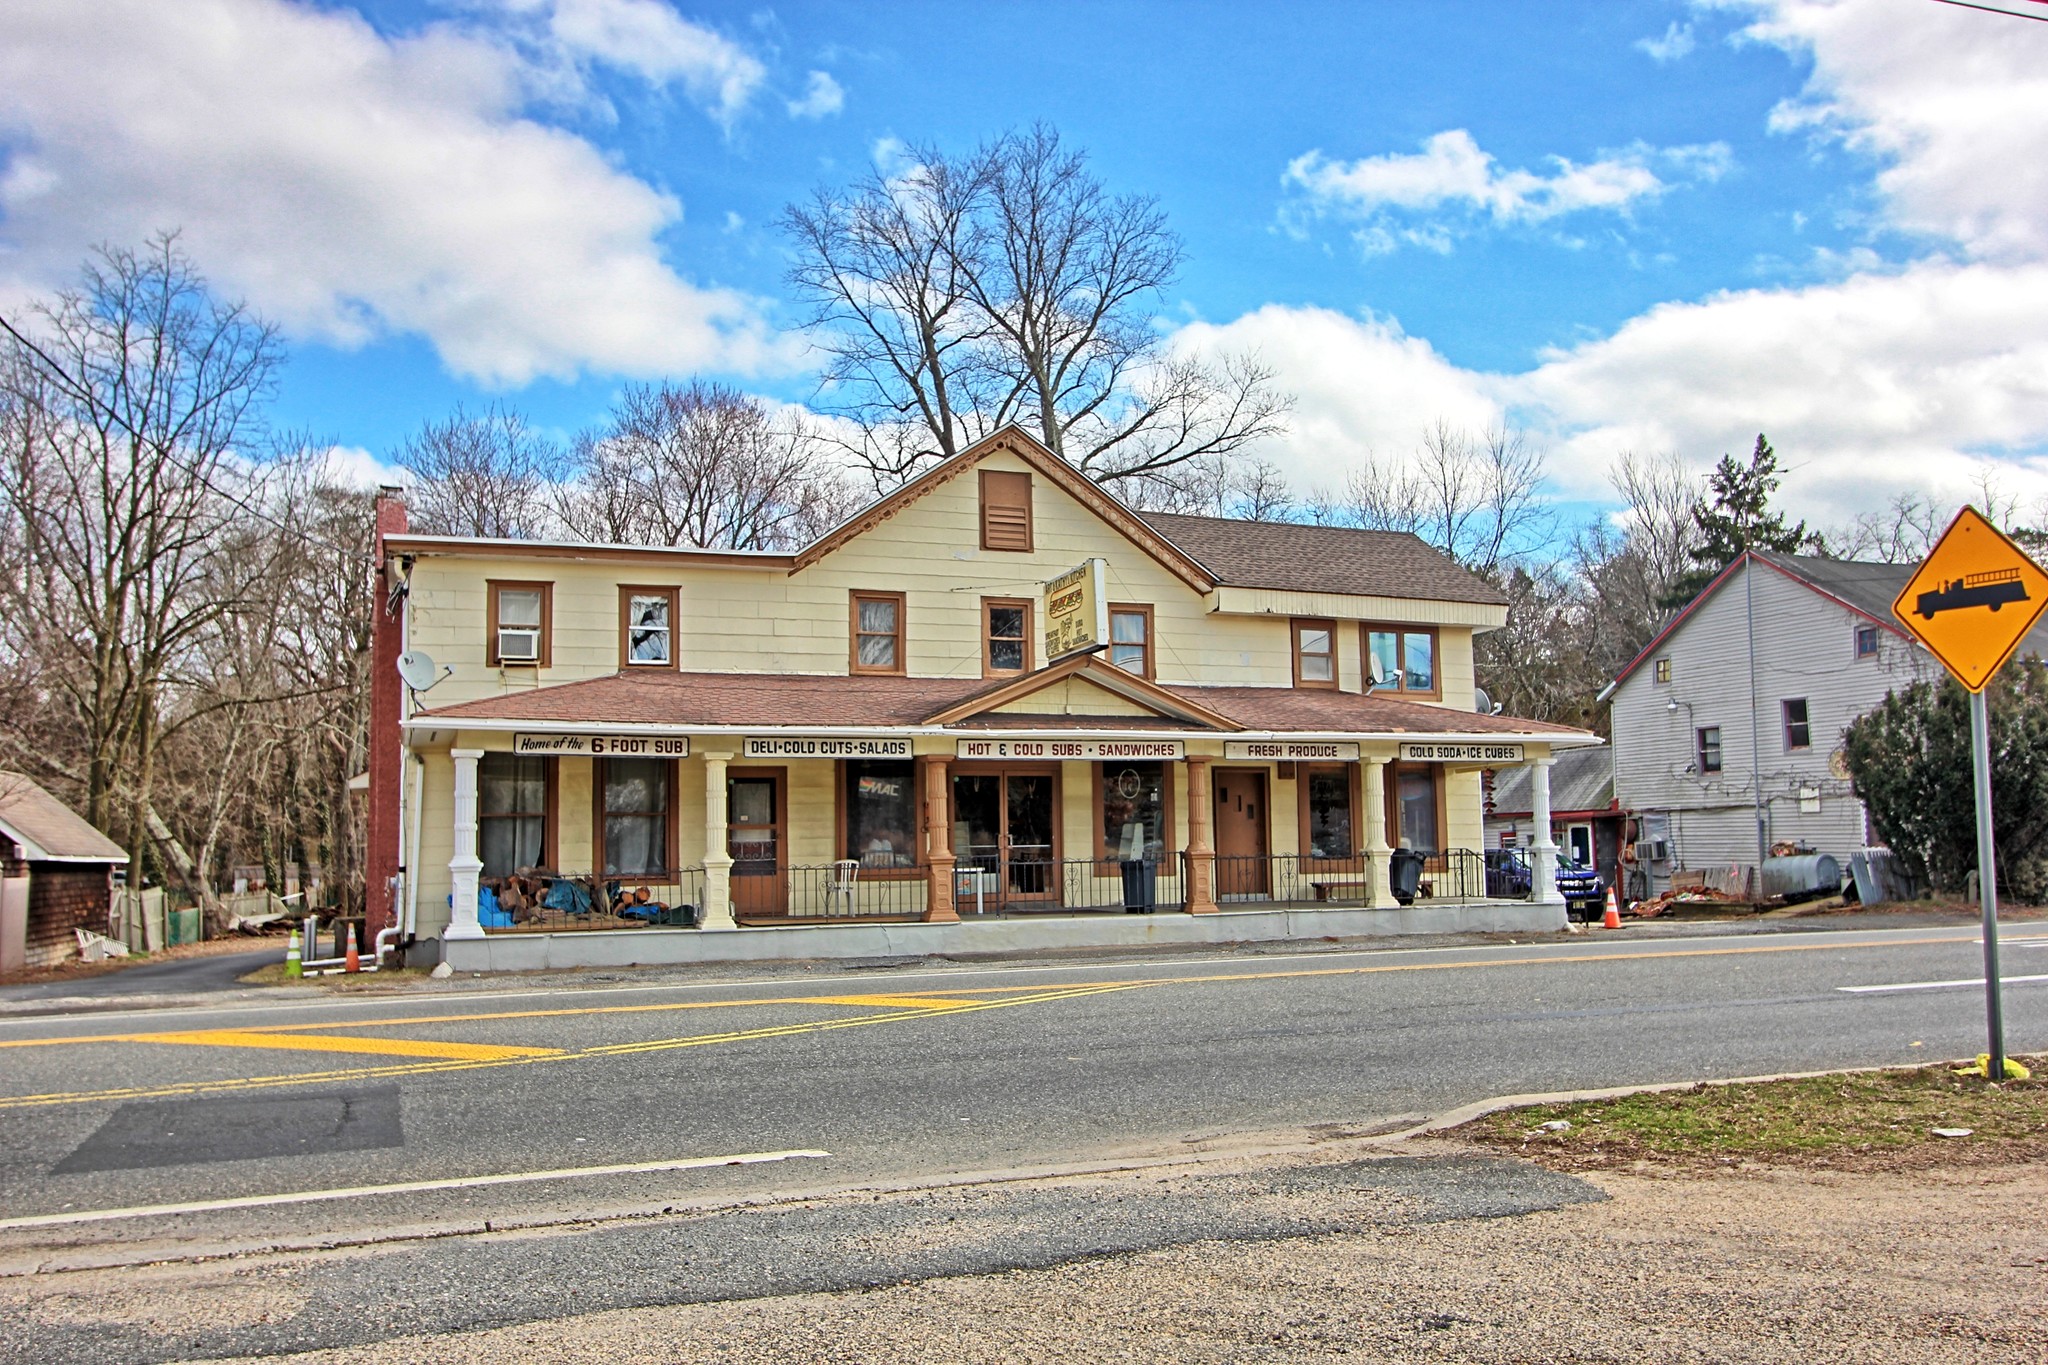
<point>1973,599</point>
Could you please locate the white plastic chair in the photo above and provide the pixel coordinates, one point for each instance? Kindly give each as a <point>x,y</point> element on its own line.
<point>845,872</point>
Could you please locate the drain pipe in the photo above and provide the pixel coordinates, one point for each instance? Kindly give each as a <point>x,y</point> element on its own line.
<point>412,871</point>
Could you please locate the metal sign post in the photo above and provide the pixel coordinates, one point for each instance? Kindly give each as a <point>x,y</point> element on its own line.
<point>1954,604</point>
<point>1987,882</point>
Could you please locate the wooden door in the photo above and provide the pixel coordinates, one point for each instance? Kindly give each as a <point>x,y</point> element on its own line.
<point>754,838</point>
<point>1241,833</point>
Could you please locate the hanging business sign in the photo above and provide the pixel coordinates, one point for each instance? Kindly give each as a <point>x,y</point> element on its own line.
<point>1077,610</point>
<point>1290,751</point>
<point>1461,753</point>
<point>602,746</point>
<point>1104,750</point>
<point>814,746</point>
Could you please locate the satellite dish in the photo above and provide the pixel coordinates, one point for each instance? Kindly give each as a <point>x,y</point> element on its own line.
<point>418,669</point>
<point>1482,703</point>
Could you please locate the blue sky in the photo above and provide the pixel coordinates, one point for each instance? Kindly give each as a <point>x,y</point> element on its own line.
<point>1626,226</point>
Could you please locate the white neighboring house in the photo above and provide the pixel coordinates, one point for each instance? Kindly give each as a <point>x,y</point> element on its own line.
<point>1735,712</point>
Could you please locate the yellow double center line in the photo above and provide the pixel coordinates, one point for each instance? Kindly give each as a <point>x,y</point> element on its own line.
<point>433,1056</point>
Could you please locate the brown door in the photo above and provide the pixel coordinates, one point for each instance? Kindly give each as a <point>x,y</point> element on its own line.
<point>1004,826</point>
<point>753,835</point>
<point>1240,833</point>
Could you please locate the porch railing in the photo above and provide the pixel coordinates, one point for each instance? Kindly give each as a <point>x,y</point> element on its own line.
<point>1459,874</point>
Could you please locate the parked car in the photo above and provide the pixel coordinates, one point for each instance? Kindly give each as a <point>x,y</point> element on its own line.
<point>1508,878</point>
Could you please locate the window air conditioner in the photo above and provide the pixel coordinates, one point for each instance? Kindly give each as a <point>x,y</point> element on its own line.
<point>518,646</point>
<point>1656,851</point>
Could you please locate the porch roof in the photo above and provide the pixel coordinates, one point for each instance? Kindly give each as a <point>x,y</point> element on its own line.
<point>725,701</point>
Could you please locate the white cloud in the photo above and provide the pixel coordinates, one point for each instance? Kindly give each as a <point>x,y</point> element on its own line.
<point>652,40</point>
<point>1916,379</point>
<point>1453,174</point>
<point>822,96</point>
<point>351,184</point>
<point>1676,42</point>
<point>354,467</point>
<point>1953,103</point>
<point>1362,386</point>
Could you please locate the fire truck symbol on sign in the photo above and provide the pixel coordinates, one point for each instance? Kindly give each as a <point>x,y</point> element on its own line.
<point>1992,590</point>
<point>1954,601</point>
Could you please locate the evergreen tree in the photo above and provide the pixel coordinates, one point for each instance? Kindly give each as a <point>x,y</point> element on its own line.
<point>1739,518</point>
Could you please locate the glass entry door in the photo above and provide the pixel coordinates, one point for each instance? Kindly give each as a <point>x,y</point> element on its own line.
<point>1003,826</point>
<point>753,836</point>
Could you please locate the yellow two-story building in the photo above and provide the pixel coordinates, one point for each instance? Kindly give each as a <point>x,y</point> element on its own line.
<point>996,693</point>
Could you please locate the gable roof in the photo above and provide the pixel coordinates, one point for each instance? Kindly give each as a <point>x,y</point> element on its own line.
<point>47,829</point>
<point>1332,559</point>
<point>1863,587</point>
<point>1014,440</point>
<point>1172,705</point>
<point>1580,780</point>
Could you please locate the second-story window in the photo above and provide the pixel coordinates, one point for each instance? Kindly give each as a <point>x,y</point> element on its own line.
<point>647,627</point>
<point>877,632</point>
<point>1130,639</point>
<point>1710,748</point>
<point>1866,642</point>
<point>1798,734</point>
<point>1315,653</point>
<point>1402,660</point>
<point>1663,670</point>
<point>1006,636</point>
<point>519,626</point>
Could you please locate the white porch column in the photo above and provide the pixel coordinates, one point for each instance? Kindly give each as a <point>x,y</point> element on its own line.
<point>717,854</point>
<point>1376,846</point>
<point>1542,849</point>
<point>465,867</point>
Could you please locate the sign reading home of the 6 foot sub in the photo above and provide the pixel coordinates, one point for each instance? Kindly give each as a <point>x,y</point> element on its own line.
<point>1973,599</point>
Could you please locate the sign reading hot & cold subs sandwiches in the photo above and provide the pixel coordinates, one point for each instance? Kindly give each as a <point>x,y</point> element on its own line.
<point>1104,750</point>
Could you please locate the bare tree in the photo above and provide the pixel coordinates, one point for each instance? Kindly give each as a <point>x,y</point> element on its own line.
<point>482,474</point>
<point>702,464</point>
<point>133,409</point>
<point>1010,285</point>
<point>1478,497</point>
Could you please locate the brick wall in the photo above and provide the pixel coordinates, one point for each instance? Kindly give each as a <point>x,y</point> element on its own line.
<point>63,897</point>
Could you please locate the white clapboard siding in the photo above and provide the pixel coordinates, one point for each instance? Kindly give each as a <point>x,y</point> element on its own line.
<point>1805,647</point>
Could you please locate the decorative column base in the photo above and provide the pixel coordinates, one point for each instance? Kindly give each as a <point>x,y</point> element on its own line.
<point>1382,897</point>
<point>466,873</point>
<point>1202,882</point>
<point>717,894</point>
<point>938,894</point>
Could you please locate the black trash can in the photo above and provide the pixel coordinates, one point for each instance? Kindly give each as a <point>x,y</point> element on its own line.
<point>1404,874</point>
<point>1141,886</point>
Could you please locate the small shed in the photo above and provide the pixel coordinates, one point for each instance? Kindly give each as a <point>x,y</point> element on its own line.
<point>56,876</point>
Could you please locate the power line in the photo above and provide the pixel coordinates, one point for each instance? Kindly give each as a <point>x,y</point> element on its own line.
<point>1993,9</point>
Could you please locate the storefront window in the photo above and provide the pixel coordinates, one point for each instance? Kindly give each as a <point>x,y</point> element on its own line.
<point>881,814</point>
<point>1134,810</point>
<point>636,816</point>
<point>1329,813</point>
<point>512,803</point>
<point>1416,788</point>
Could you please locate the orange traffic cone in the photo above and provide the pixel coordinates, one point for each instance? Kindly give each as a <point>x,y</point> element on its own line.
<point>352,961</point>
<point>1612,919</point>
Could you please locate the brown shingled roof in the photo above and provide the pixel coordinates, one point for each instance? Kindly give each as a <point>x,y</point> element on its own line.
<point>1295,558</point>
<point>681,700</point>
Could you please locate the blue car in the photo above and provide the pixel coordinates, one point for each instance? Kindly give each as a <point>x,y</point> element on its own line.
<point>1508,878</point>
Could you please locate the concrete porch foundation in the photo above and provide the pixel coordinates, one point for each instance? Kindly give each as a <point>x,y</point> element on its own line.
<point>970,938</point>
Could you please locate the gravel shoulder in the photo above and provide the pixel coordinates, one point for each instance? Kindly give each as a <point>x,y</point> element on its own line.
<point>1941,1264</point>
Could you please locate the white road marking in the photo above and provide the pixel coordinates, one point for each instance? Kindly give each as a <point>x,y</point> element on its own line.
<point>259,1201</point>
<point>1934,985</point>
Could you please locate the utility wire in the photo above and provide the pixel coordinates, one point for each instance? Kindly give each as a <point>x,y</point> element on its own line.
<point>1993,9</point>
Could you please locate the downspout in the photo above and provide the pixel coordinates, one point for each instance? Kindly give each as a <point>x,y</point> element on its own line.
<point>412,852</point>
<point>1756,764</point>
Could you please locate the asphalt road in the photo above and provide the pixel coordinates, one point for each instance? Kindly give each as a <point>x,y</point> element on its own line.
<point>897,1075</point>
<point>174,976</point>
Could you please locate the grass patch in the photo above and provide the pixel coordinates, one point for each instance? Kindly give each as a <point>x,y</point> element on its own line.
<point>1873,1119</point>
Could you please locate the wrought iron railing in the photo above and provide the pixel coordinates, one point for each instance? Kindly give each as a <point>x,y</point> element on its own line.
<point>1458,874</point>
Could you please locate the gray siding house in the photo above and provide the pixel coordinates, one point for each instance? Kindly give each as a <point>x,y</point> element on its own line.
<point>1737,710</point>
